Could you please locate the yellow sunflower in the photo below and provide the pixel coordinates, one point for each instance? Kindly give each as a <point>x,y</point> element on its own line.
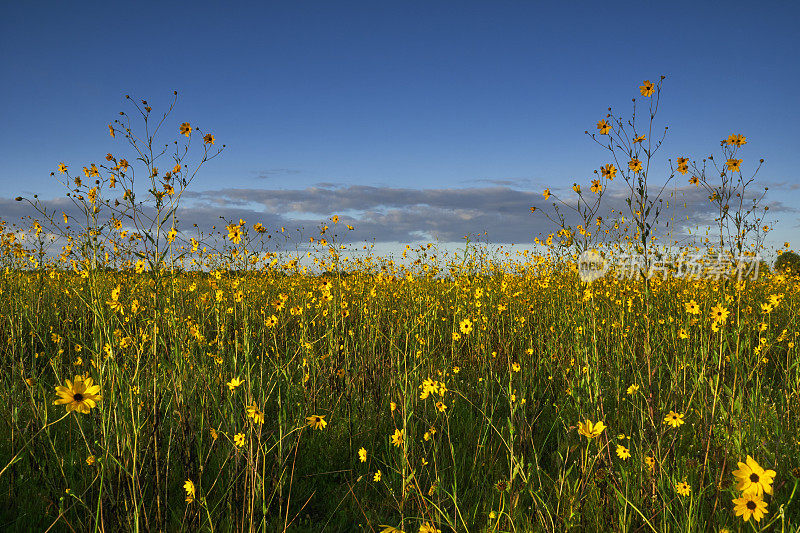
<point>190,491</point>
<point>589,430</point>
<point>752,479</point>
<point>734,165</point>
<point>623,452</point>
<point>647,88</point>
<point>674,419</point>
<point>683,488</point>
<point>80,395</point>
<point>750,505</point>
<point>609,171</point>
<point>719,314</point>
<point>397,438</point>
<point>316,421</point>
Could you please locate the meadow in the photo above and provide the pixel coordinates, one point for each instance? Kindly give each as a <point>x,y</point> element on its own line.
<point>160,382</point>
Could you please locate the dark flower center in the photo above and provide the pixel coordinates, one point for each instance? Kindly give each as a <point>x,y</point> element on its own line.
<point>754,477</point>
<point>78,397</point>
<point>751,505</point>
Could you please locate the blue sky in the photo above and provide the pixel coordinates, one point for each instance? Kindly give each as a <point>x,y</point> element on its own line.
<point>408,95</point>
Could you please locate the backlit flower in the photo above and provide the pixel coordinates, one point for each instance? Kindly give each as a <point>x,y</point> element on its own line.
<point>608,171</point>
<point>734,165</point>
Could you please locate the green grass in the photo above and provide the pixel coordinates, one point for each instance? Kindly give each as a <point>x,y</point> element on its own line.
<point>505,456</point>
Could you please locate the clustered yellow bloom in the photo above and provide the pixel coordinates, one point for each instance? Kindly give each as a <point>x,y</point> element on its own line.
<point>683,165</point>
<point>735,139</point>
<point>430,386</point>
<point>255,414</point>
<point>753,482</point>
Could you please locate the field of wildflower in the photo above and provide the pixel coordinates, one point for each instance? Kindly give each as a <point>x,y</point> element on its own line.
<point>156,379</point>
